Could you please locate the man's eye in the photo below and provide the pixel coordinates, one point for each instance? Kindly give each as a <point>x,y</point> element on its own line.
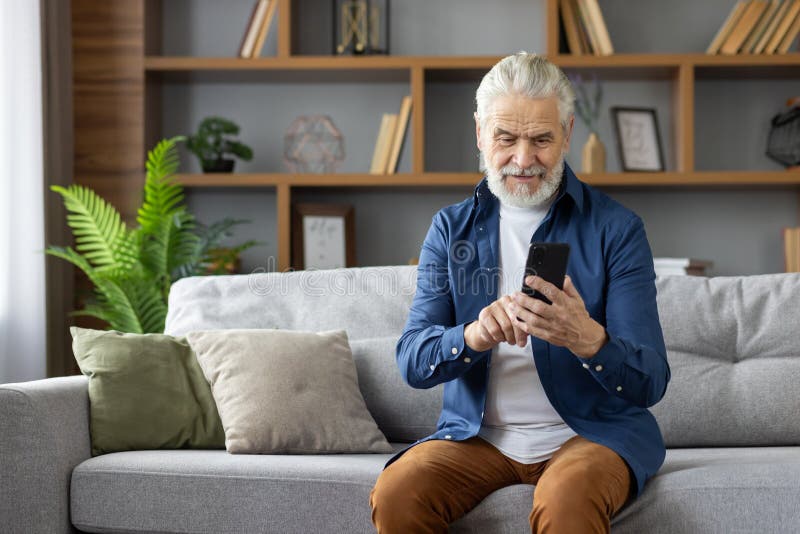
<point>506,140</point>
<point>543,142</point>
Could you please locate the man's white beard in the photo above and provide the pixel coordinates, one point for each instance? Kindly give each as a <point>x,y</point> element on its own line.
<point>521,197</point>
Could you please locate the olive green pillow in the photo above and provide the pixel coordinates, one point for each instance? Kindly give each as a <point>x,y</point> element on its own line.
<point>146,391</point>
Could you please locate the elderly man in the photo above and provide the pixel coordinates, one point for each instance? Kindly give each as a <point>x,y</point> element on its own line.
<point>553,395</point>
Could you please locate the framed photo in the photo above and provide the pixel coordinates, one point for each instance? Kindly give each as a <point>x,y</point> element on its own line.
<point>638,139</point>
<point>323,236</point>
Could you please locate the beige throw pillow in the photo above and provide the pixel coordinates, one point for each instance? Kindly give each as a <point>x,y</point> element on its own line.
<point>282,391</point>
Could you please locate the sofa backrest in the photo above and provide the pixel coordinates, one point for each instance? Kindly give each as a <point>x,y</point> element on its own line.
<point>732,345</point>
<point>367,302</point>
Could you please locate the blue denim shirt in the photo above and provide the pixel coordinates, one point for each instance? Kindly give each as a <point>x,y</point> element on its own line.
<point>604,398</point>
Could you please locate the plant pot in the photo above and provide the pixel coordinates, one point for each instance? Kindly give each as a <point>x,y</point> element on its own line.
<point>594,155</point>
<point>218,165</point>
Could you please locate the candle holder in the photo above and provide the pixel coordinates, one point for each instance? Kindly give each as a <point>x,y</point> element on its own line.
<point>361,27</point>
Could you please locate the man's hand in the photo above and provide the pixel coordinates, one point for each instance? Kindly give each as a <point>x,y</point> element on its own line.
<point>494,325</point>
<point>564,323</point>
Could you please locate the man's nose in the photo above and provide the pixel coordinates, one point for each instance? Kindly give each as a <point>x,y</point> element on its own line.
<point>525,155</point>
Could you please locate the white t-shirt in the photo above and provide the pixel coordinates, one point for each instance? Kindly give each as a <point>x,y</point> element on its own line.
<point>518,417</point>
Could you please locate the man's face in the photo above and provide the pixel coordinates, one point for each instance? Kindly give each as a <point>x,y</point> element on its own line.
<point>523,146</point>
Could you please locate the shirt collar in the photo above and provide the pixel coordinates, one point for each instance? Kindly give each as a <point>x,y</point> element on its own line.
<point>570,185</point>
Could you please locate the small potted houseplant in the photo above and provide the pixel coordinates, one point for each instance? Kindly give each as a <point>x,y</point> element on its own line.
<point>214,139</point>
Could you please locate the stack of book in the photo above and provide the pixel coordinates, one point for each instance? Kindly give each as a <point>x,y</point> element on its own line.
<point>257,28</point>
<point>680,266</point>
<point>390,139</point>
<point>758,27</point>
<point>584,28</point>
<point>791,249</point>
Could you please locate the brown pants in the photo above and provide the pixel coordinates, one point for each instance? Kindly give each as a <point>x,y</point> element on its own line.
<point>578,490</point>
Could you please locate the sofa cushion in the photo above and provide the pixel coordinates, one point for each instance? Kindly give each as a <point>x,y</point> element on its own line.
<point>146,391</point>
<point>719,491</point>
<point>402,413</point>
<point>702,490</point>
<point>733,350</point>
<point>281,391</point>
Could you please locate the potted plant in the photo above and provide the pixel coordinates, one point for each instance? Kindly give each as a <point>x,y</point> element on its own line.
<point>132,269</point>
<point>213,140</point>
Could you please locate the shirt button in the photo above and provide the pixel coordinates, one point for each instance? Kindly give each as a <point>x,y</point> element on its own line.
<point>598,368</point>
<point>467,360</point>
<point>585,365</point>
<point>480,228</point>
<point>433,367</point>
<point>454,350</point>
<point>448,436</point>
<point>619,388</point>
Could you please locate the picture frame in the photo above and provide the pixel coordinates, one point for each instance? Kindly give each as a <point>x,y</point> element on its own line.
<point>323,236</point>
<point>638,139</point>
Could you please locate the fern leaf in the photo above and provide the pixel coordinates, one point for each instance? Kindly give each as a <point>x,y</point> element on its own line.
<point>100,234</point>
<point>113,304</point>
<point>162,195</point>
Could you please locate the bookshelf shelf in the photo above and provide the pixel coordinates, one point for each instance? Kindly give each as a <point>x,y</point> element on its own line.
<point>185,63</point>
<point>434,179</point>
<point>444,68</point>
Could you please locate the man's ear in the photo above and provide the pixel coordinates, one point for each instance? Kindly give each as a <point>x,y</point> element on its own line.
<point>478,131</point>
<point>568,137</point>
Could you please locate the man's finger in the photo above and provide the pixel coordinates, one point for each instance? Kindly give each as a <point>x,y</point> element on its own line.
<point>542,309</point>
<point>522,337</point>
<point>544,287</point>
<point>570,290</point>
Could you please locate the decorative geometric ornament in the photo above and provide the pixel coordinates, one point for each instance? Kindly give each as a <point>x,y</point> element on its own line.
<point>313,145</point>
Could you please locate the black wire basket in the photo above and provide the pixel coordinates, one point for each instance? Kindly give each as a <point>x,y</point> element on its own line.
<point>783,143</point>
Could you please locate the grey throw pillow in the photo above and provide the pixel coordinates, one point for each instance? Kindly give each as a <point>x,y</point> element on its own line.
<point>282,391</point>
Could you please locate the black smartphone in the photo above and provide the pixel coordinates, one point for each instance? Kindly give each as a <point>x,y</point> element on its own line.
<point>548,261</point>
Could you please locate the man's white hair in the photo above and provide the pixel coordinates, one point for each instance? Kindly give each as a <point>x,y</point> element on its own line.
<point>528,75</point>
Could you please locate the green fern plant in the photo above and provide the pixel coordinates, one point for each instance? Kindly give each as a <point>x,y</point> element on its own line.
<point>132,270</point>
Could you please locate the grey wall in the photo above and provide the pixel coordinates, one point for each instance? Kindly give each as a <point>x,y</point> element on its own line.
<point>738,229</point>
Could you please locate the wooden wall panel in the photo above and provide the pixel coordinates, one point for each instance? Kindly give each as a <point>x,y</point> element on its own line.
<point>108,65</point>
<point>108,45</point>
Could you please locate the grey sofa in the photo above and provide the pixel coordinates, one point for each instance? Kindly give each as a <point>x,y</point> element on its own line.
<point>731,421</point>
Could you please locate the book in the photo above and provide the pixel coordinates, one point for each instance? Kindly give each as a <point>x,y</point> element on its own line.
<point>727,26</point>
<point>591,36</point>
<point>586,46</point>
<point>791,249</point>
<point>783,27</point>
<point>681,266</point>
<point>247,29</point>
<point>744,26</point>
<point>264,29</point>
<point>773,24</point>
<point>752,39</point>
<point>790,36</point>
<point>259,12</point>
<point>599,27</point>
<point>381,152</point>
<point>571,27</point>
<point>399,135</point>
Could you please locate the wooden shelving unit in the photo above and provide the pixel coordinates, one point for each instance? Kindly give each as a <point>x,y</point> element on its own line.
<point>138,43</point>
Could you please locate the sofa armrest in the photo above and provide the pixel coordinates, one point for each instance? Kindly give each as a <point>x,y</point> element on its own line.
<point>44,434</point>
